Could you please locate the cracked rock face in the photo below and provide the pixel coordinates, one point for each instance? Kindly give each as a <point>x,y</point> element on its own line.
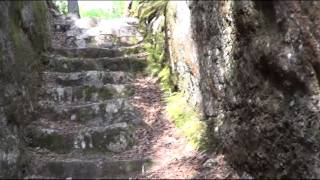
<point>256,66</point>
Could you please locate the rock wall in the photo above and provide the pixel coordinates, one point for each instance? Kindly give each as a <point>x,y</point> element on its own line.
<point>182,50</point>
<point>23,35</point>
<point>256,67</point>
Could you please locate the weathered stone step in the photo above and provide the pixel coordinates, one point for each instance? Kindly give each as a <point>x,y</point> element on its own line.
<point>67,64</point>
<point>109,111</point>
<point>57,166</point>
<point>89,78</point>
<point>84,93</point>
<point>66,137</point>
<point>88,52</point>
<point>97,52</point>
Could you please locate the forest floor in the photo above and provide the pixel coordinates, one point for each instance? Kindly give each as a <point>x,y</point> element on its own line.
<point>161,141</point>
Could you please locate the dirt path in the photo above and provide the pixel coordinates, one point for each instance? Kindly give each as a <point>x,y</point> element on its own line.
<point>161,141</point>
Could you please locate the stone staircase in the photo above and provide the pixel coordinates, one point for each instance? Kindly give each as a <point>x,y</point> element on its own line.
<point>85,116</point>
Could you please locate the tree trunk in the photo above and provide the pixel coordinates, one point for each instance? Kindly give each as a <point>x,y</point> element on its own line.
<point>73,8</point>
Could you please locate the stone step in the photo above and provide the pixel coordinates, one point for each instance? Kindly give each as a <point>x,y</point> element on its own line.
<point>87,78</point>
<point>109,111</point>
<point>65,137</point>
<point>84,93</point>
<point>101,167</point>
<point>97,52</point>
<point>87,52</point>
<point>67,64</point>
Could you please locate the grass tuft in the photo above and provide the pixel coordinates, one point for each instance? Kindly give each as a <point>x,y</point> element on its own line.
<point>186,119</point>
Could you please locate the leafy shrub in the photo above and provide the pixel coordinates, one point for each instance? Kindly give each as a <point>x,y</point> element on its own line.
<point>148,12</point>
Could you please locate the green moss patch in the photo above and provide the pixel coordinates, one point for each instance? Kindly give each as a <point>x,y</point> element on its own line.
<point>186,119</point>
<point>103,93</point>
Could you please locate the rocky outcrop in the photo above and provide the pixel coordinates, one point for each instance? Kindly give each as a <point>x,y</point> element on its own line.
<point>23,36</point>
<point>253,66</point>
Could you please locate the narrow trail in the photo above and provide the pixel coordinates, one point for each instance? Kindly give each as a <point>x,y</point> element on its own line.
<point>158,139</point>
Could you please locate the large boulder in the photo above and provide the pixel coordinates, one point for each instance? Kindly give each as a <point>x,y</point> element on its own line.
<point>255,65</point>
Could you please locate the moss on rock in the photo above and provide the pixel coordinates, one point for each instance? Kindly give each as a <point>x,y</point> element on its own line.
<point>186,119</point>
<point>20,45</point>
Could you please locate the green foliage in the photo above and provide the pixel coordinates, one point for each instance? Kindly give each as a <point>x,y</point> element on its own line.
<point>134,8</point>
<point>97,13</point>
<point>62,6</point>
<point>157,64</point>
<point>186,119</point>
<point>165,80</point>
<point>155,49</point>
<point>149,10</point>
<point>118,10</point>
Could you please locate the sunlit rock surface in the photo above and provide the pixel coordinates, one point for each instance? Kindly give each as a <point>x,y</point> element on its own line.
<point>92,32</point>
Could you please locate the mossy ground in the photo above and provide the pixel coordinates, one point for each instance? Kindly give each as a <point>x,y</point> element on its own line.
<point>186,119</point>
